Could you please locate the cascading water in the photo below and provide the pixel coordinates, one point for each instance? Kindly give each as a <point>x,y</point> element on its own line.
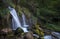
<point>15,20</point>
<point>48,37</point>
<point>14,24</point>
<point>54,35</point>
<point>24,23</point>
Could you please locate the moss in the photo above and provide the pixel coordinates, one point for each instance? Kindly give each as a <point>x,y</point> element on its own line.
<point>18,32</point>
<point>38,31</point>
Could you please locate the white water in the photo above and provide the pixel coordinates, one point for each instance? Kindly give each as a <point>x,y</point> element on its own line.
<point>56,34</point>
<point>24,20</point>
<point>14,24</point>
<point>15,20</point>
<point>48,37</point>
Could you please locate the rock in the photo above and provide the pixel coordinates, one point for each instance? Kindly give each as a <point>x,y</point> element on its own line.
<point>28,35</point>
<point>56,34</point>
<point>54,38</point>
<point>6,30</point>
<point>35,35</point>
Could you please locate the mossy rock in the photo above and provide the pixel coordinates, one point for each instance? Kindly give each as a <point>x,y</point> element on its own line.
<point>18,32</point>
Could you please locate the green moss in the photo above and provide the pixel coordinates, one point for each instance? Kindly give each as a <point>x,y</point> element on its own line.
<point>38,31</point>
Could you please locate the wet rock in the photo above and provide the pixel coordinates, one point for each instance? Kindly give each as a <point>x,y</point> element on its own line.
<point>56,35</point>
<point>35,35</point>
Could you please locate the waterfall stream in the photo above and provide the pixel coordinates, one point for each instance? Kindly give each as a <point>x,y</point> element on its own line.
<point>15,20</point>
<point>24,20</point>
<point>48,37</point>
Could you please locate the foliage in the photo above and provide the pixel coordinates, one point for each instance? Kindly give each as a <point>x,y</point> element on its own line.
<point>38,31</point>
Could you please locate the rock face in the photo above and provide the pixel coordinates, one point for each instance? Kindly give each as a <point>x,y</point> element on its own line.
<point>28,35</point>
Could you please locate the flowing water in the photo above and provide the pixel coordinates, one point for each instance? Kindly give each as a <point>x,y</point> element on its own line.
<point>54,35</point>
<point>24,20</point>
<point>47,37</point>
<point>15,20</point>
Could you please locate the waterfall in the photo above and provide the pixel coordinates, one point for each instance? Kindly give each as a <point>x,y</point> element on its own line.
<point>15,20</point>
<point>14,24</point>
<point>24,20</point>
